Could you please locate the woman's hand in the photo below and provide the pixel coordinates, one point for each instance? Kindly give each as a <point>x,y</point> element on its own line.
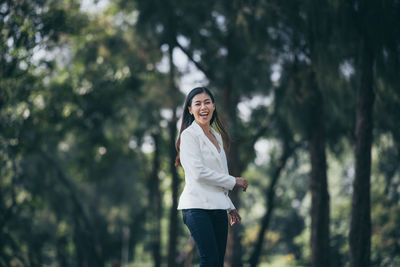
<point>241,182</point>
<point>234,217</point>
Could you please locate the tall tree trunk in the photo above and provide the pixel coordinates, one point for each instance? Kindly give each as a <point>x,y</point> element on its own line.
<point>319,184</point>
<point>233,256</point>
<point>269,197</point>
<point>230,101</point>
<point>173,219</point>
<point>234,249</point>
<point>360,228</point>
<point>155,201</point>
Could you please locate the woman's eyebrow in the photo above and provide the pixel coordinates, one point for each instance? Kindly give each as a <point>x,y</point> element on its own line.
<point>199,101</point>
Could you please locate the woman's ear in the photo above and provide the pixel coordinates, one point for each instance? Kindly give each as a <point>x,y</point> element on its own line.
<point>190,110</point>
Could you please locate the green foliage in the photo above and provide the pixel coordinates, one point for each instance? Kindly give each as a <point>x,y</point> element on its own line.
<point>82,97</point>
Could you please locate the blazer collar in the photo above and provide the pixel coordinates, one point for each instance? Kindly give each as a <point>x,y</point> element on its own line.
<point>211,146</point>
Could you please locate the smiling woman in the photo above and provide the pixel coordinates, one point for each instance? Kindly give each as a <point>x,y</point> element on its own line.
<point>203,109</point>
<point>204,201</point>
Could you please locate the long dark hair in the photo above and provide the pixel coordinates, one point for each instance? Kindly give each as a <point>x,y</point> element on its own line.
<point>187,119</point>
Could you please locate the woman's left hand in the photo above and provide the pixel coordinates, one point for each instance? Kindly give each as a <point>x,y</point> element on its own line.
<point>234,217</point>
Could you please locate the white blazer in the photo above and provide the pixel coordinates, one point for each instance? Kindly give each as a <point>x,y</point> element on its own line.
<point>206,171</point>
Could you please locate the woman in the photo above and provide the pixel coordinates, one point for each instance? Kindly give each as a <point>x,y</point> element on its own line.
<point>204,201</point>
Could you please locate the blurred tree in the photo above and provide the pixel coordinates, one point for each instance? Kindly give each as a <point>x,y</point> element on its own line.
<point>156,200</point>
<point>159,19</point>
<point>26,29</point>
<point>65,140</point>
<point>303,31</point>
<point>369,42</point>
<point>277,166</point>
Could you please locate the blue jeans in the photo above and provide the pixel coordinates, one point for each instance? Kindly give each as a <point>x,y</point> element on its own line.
<point>209,229</point>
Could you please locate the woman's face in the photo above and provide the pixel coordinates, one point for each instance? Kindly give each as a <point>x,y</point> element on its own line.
<point>202,108</point>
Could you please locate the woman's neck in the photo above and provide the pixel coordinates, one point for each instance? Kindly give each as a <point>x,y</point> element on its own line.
<point>206,128</point>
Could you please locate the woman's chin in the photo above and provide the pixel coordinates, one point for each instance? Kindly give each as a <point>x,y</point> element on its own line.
<point>204,121</point>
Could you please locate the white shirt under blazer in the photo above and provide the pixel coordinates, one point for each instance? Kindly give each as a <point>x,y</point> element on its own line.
<point>206,171</point>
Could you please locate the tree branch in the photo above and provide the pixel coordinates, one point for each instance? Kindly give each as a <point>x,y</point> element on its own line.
<point>288,151</point>
<point>261,132</point>
<point>203,69</point>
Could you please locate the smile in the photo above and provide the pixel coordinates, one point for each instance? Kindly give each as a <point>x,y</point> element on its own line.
<point>204,115</point>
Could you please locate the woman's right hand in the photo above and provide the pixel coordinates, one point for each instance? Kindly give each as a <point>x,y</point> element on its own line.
<point>241,182</point>
<point>234,217</point>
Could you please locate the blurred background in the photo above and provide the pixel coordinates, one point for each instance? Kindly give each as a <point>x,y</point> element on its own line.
<point>91,93</point>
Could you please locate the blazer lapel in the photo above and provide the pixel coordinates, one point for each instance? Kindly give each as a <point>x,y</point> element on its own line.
<point>222,153</point>
<point>210,145</point>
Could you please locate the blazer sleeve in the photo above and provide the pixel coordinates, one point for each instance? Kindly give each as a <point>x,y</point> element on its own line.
<point>194,167</point>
